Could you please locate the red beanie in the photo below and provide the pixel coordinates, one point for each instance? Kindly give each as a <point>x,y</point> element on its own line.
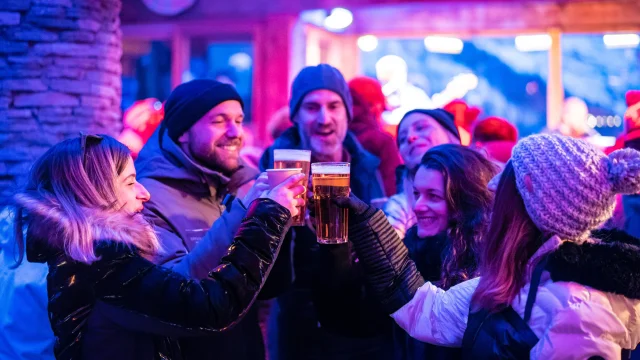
<point>632,115</point>
<point>633,97</point>
<point>367,89</point>
<point>494,128</point>
<point>464,114</point>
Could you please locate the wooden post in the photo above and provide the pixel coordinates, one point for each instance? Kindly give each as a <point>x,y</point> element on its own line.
<point>272,52</point>
<point>180,54</point>
<point>555,89</point>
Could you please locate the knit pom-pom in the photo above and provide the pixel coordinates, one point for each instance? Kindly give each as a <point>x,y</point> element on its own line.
<point>624,171</point>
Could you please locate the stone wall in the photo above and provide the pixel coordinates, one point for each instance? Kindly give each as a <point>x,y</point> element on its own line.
<point>59,75</point>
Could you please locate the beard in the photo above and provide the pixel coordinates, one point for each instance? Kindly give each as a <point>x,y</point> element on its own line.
<point>218,157</point>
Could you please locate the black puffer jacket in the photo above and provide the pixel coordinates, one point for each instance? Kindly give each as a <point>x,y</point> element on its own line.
<point>124,289</point>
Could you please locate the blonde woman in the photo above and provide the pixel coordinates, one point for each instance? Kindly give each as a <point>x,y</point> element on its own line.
<point>81,215</point>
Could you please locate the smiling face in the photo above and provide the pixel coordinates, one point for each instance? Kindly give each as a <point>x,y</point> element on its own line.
<point>130,194</point>
<point>417,134</point>
<point>322,123</point>
<point>216,139</point>
<point>430,205</point>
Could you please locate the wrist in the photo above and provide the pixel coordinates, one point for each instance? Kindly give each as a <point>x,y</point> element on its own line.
<point>364,215</point>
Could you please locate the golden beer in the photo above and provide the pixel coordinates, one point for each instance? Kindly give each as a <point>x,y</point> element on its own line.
<point>290,159</point>
<point>330,180</point>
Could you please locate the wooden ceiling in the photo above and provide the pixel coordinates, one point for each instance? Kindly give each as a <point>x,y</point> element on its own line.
<point>411,18</point>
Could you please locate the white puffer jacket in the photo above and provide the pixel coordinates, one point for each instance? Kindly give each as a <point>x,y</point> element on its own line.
<point>571,321</point>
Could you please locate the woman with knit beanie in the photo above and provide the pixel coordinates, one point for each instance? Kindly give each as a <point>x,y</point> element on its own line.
<point>418,131</point>
<point>547,289</point>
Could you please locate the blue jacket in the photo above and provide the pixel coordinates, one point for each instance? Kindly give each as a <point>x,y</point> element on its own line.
<point>631,206</point>
<point>25,332</point>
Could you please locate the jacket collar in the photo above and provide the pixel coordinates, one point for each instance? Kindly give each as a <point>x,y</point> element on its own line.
<point>166,160</point>
<point>609,262</point>
<point>47,224</point>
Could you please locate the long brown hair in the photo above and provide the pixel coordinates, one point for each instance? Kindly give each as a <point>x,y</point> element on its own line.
<point>466,174</point>
<point>511,240</point>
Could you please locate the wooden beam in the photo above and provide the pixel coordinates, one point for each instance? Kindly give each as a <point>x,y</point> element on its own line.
<point>272,59</point>
<point>418,20</point>
<point>180,56</point>
<point>555,88</point>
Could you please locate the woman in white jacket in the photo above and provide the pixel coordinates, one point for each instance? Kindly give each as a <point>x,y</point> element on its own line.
<point>547,290</point>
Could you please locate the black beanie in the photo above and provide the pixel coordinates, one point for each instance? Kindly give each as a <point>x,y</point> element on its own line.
<point>190,101</point>
<point>442,117</point>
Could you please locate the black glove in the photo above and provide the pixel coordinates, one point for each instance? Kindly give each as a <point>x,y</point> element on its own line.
<point>359,211</point>
<point>392,276</point>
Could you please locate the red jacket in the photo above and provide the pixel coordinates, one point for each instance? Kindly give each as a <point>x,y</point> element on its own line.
<point>380,144</point>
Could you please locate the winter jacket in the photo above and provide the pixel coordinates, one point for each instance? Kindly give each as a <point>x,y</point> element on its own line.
<point>25,332</point>
<point>400,213</point>
<point>631,211</point>
<point>307,323</point>
<point>382,145</point>
<point>195,227</point>
<point>427,253</point>
<point>125,307</point>
<point>598,319</point>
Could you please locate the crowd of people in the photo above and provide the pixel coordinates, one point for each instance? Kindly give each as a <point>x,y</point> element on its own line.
<point>464,241</point>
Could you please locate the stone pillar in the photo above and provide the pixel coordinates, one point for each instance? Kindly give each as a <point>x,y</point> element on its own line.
<point>59,75</point>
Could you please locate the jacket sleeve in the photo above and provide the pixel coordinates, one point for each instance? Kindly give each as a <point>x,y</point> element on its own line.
<point>196,263</point>
<point>266,161</point>
<point>282,274</point>
<point>436,316</point>
<point>391,274</point>
<point>213,304</point>
<point>396,211</point>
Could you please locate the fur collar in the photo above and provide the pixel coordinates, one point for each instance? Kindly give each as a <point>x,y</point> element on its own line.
<point>610,263</point>
<point>47,227</point>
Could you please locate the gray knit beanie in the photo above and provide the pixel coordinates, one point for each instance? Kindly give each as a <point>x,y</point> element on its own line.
<point>569,186</point>
<point>319,77</point>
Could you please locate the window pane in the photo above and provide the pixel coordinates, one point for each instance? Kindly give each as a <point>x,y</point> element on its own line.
<point>600,75</point>
<point>230,62</point>
<point>490,73</point>
<point>146,71</point>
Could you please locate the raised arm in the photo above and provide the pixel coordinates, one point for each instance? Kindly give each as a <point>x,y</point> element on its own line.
<point>212,304</point>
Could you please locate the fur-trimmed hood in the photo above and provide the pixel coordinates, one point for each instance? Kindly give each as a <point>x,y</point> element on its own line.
<point>48,226</point>
<point>610,263</point>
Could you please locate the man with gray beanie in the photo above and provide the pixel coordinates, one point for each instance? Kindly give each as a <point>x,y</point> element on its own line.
<point>325,315</point>
<point>192,168</point>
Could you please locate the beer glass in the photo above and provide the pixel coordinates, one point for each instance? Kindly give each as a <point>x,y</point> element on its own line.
<point>330,180</point>
<point>288,159</point>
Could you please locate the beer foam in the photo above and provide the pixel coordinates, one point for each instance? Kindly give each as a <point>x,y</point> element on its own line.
<point>286,169</point>
<point>291,155</point>
<point>331,168</point>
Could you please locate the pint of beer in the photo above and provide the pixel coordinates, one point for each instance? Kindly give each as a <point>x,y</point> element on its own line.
<point>330,180</point>
<point>291,159</point>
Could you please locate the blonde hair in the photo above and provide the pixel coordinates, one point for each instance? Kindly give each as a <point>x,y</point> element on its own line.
<point>70,200</point>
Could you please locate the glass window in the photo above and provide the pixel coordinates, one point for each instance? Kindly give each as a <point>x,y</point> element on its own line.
<point>146,71</point>
<point>492,73</point>
<point>230,62</point>
<point>597,71</point>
